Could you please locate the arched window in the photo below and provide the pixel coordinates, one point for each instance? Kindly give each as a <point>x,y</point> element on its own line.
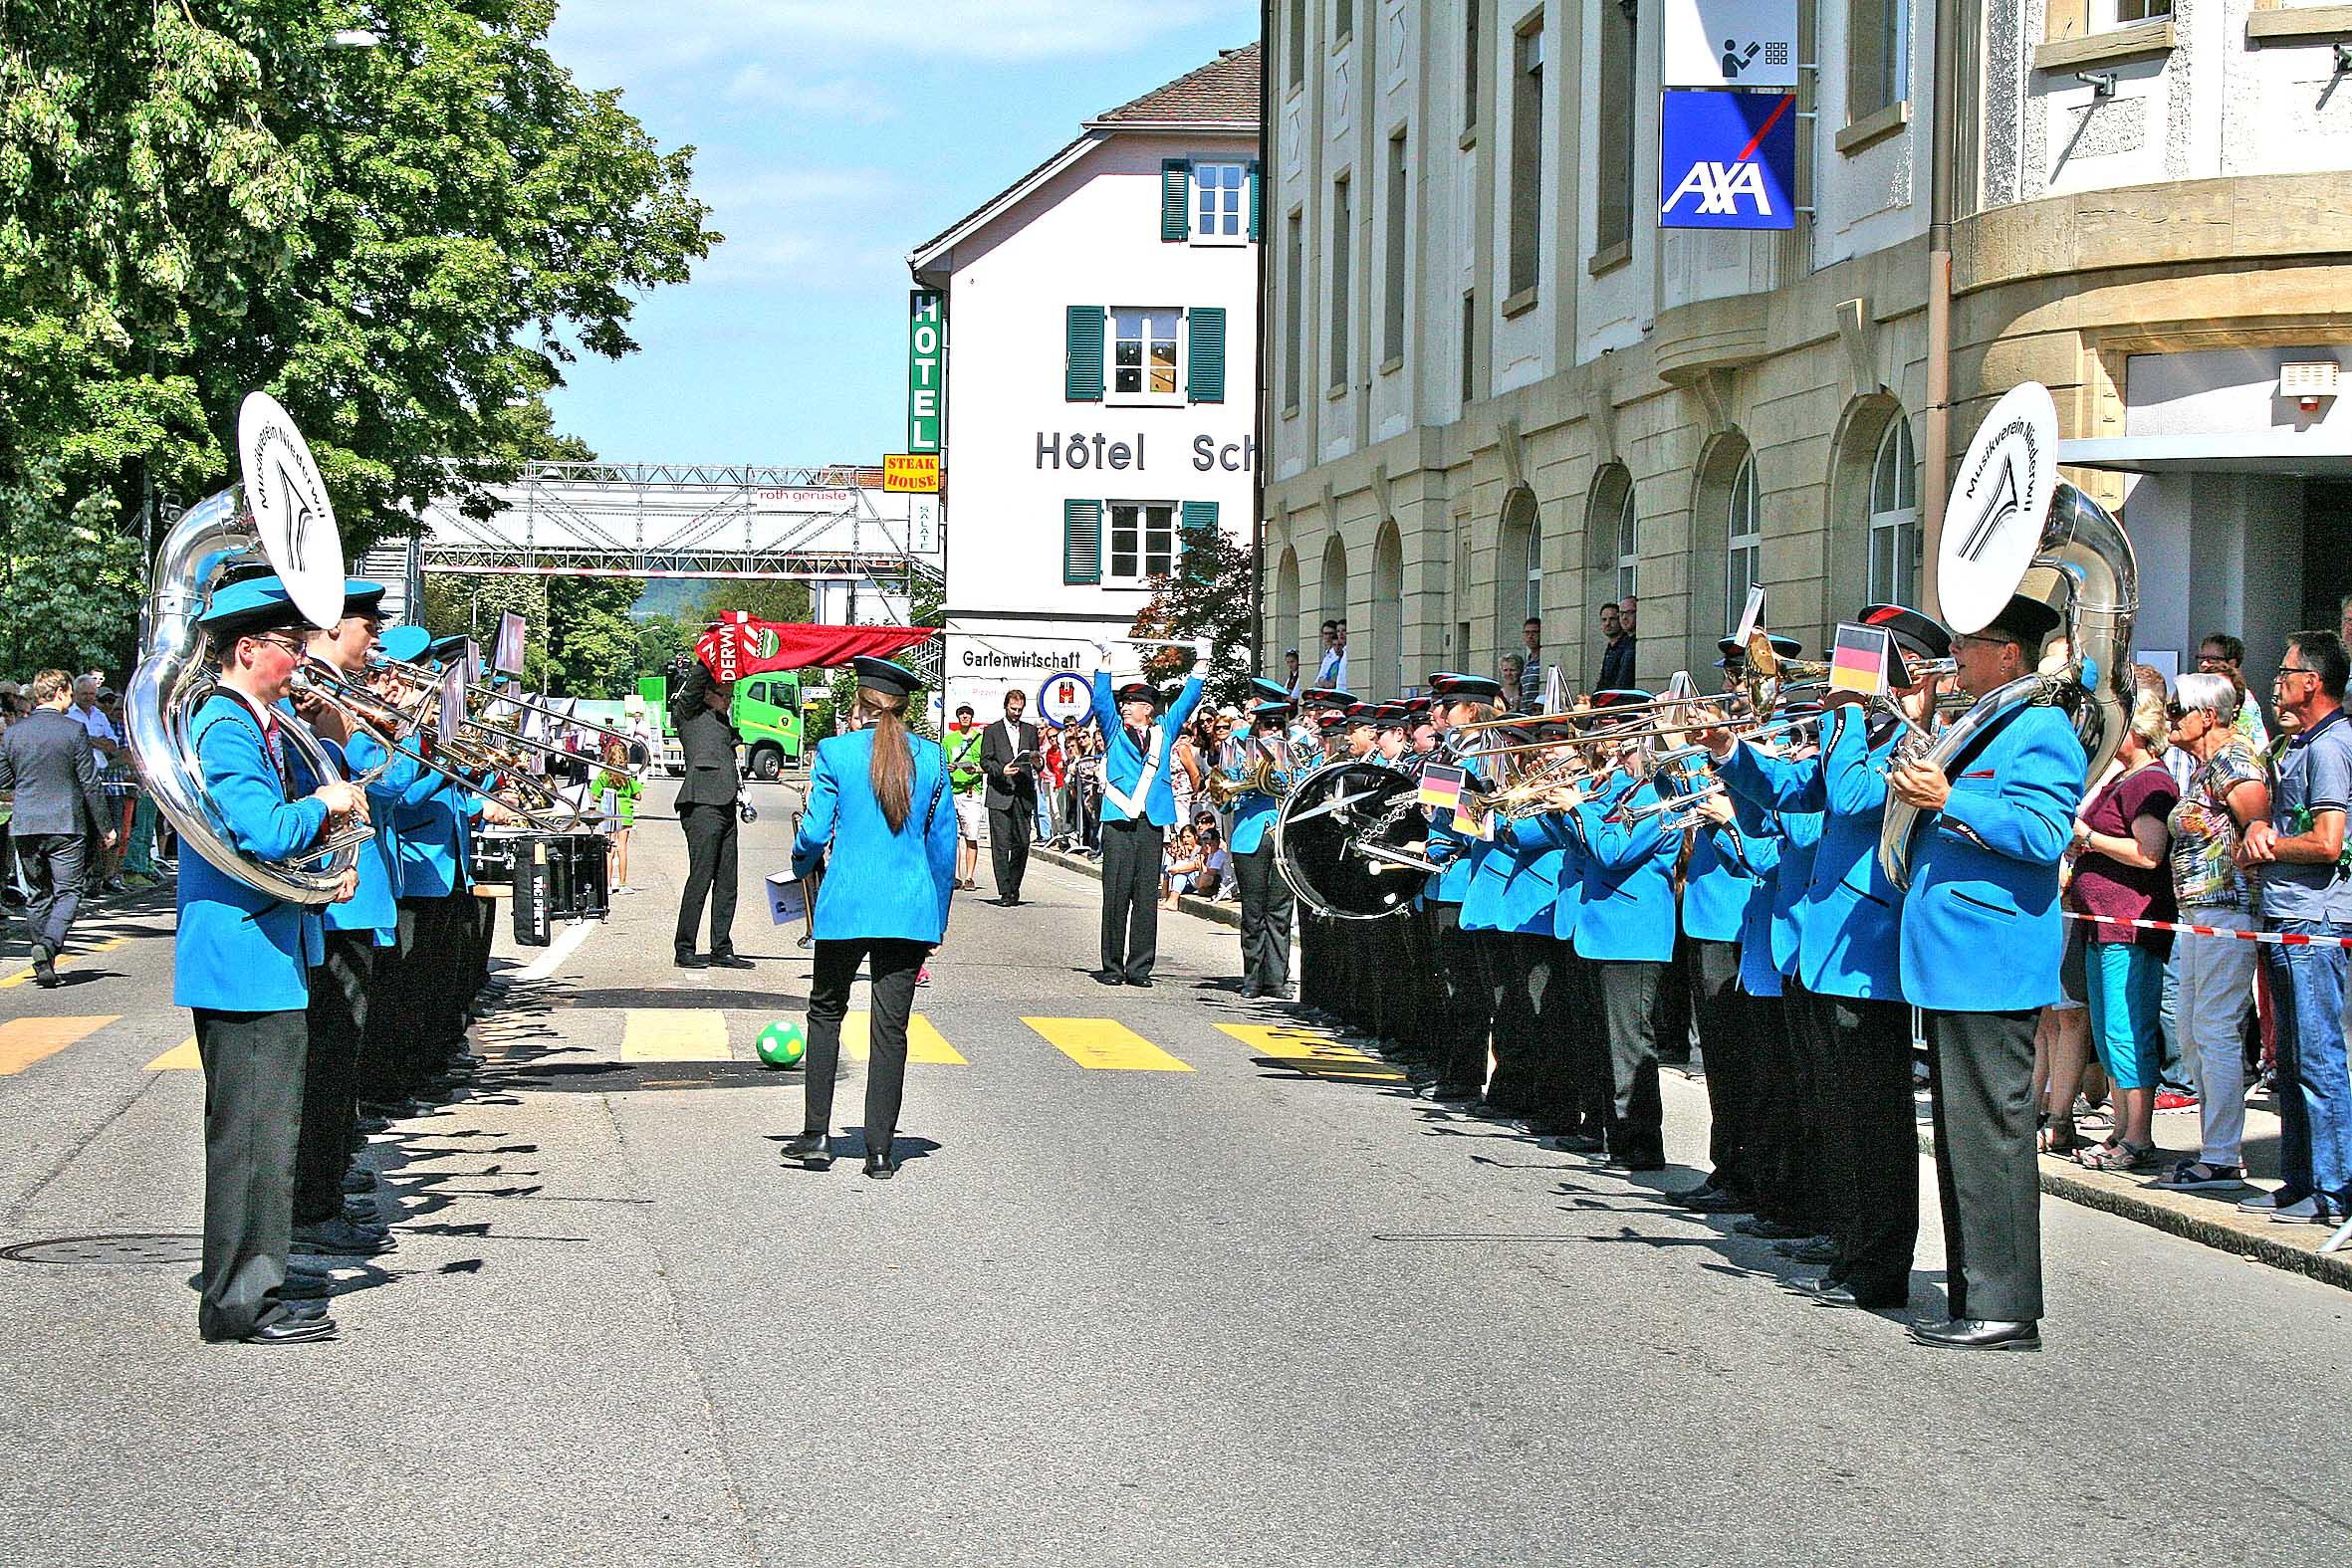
<point>1285,610</point>
<point>1519,567</point>
<point>1743,532</point>
<point>1317,661</point>
<point>1628,557</point>
<point>1894,516</point>
<point>1383,660</point>
<point>1534,608</point>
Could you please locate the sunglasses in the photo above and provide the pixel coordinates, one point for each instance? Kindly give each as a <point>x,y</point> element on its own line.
<point>2176,713</point>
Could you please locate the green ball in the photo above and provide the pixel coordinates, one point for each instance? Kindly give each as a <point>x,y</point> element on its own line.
<point>783,1044</point>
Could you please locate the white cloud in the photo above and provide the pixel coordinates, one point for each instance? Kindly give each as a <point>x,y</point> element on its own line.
<point>840,97</point>
<point>801,225</point>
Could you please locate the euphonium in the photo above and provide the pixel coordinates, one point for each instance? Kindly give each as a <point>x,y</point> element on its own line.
<point>291,528</point>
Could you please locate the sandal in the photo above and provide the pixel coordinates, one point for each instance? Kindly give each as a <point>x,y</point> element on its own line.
<point>2059,1137</point>
<point>2119,1155</point>
<point>2198,1176</point>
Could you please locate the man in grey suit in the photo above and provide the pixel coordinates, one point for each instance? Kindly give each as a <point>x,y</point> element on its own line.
<point>1008,756</point>
<point>46,758</point>
<point>706,811</point>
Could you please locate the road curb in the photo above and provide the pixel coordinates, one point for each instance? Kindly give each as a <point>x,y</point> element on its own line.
<point>2124,1200</point>
<point>1221,913</point>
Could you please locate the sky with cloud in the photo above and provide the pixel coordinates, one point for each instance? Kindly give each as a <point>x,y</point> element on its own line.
<point>833,136</point>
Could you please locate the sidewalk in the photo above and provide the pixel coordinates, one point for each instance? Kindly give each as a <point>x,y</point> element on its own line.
<point>2211,1219</point>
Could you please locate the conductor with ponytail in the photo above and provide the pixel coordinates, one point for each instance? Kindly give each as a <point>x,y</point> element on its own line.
<point>877,823</point>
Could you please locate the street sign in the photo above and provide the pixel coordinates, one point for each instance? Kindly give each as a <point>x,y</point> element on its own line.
<point>2000,501</point>
<point>1727,161</point>
<point>926,367</point>
<point>1731,42</point>
<point>1065,699</point>
<point>911,473</point>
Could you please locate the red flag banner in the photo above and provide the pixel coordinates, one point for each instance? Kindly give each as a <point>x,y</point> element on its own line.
<point>738,645</point>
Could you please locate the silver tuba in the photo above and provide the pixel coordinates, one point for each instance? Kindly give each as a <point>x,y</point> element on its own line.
<point>279,514</point>
<point>2010,514</point>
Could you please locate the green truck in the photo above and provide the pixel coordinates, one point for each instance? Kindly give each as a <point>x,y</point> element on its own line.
<point>767,715</point>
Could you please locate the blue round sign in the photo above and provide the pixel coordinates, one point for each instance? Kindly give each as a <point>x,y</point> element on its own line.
<point>1066,698</point>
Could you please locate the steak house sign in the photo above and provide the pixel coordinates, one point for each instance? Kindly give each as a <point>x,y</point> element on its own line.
<point>1081,450</point>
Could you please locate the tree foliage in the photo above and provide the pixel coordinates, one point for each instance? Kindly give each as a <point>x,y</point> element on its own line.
<point>405,244</point>
<point>1207,595</point>
<point>63,579</point>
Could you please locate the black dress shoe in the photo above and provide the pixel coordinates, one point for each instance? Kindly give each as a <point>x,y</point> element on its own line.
<point>1011,903</point>
<point>1813,1249</point>
<point>45,973</point>
<point>690,961</point>
<point>1579,1143</point>
<point>881,1167</point>
<point>338,1237</point>
<point>306,1286</point>
<point>731,961</point>
<point>1249,993</point>
<point>1142,984</point>
<point>1874,1299</point>
<point>1634,1162</point>
<point>1769,1229</point>
<point>291,1330</point>
<point>1107,977</point>
<point>1714,1199</point>
<point>811,1149</point>
<point>1978,1333</point>
<point>359,1179</point>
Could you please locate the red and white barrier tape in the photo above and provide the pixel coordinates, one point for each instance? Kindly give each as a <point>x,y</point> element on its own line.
<point>2284,939</point>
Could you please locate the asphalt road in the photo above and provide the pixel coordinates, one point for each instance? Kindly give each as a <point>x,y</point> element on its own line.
<point>1160,1293</point>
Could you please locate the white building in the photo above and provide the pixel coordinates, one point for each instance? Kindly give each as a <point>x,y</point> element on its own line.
<point>1101,320</point>
<point>1499,388</point>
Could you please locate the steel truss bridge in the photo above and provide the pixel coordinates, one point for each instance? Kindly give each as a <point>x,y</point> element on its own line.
<point>685,520</point>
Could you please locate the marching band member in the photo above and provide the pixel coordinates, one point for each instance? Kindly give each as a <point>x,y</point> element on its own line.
<point>1265,898</point>
<point>242,965</point>
<point>1531,1013</point>
<point>1848,961</point>
<point>874,820</point>
<point>1580,1043</point>
<point>1626,929</point>
<point>1464,1013</point>
<point>1393,976</point>
<point>1494,862</point>
<point>1138,808</point>
<point>1984,881</point>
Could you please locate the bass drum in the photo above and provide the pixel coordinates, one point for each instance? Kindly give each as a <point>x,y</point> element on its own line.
<point>1350,840</point>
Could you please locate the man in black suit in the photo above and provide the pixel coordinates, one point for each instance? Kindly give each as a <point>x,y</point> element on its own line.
<point>46,758</point>
<point>1008,756</point>
<point>706,810</point>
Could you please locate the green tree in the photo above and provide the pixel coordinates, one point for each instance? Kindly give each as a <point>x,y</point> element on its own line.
<point>1207,595</point>
<point>661,638</point>
<point>63,581</point>
<point>405,244</point>
<point>785,601</point>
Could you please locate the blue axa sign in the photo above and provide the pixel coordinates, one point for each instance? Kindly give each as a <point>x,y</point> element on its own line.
<point>1727,161</point>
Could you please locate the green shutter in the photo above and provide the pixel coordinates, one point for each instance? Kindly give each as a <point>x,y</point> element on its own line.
<point>1083,375</point>
<point>1082,542</point>
<point>1199,527</point>
<point>1175,199</point>
<point>1204,371</point>
<point>1257,199</point>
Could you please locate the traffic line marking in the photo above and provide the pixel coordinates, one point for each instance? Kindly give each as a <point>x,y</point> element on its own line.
<point>674,1035</point>
<point>180,1058</point>
<point>108,946</point>
<point>1312,1052</point>
<point>24,1041</point>
<point>924,1042</point>
<point>563,947</point>
<point>1106,1045</point>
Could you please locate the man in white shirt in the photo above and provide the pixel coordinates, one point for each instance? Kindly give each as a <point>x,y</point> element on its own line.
<point>1332,672</point>
<point>103,737</point>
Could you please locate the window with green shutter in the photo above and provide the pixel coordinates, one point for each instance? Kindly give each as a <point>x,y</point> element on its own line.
<point>1175,199</point>
<point>1082,542</point>
<point>1203,371</point>
<point>1257,199</point>
<point>1200,532</point>
<point>1082,370</point>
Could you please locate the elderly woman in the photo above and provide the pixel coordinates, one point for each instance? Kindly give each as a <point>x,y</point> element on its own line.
<point>2227,789</point>
<point>2121,875</point>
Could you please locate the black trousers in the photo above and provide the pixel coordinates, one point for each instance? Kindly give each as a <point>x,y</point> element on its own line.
<point>1465,1011</point>
<point>1580,1029</point>
<point>1674,1011</point>
<point>1824,1153</point>
<point>253,1065</point>
<point>1986,1167</point>
<point>1774,1113</point>
<point>710,874</point>
<point>1266,908</point>
<point>1131,855</point>
<point>1872,1108</point>
<point>1629,1007</point>
<point>895,963</point>
<point>1008,829</point>
<point>1518,969</point>
<point>53,877</point>
<point>336,1023</point>
<point>1729,1039</point>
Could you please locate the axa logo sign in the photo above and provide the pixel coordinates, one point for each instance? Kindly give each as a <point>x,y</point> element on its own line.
<point>1727,161</point>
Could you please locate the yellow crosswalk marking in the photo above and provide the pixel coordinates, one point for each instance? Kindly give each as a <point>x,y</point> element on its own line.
<point>180,1058</point>
<point>1106,1044</point>
<point>1311,1051</point>
<point>22,975</point>
<point>674,1035</point>
<point>24,1041</point>
<point>924,1042</point>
